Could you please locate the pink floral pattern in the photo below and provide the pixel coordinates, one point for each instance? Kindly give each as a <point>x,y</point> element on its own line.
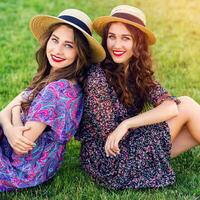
<point>144,156</point>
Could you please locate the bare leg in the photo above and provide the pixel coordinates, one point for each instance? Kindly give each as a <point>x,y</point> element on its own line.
<point>184,138</point>
<point>183,142</point>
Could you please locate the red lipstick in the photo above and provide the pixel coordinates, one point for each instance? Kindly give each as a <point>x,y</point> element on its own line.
<point>118,53</point>
<point>57,58</point>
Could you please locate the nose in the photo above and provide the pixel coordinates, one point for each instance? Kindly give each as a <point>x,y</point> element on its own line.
<point>58,49</point>
<point>117,44</point>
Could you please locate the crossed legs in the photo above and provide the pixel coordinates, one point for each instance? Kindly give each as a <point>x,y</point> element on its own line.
<point>185,128</point>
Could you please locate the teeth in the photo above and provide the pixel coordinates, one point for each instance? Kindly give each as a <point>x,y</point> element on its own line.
<point>118,52</point>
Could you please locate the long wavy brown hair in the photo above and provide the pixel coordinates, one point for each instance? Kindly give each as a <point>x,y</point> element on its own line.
<point>131,87</point>
<point>75,71</point>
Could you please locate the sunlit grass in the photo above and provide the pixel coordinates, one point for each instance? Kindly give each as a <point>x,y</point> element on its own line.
<point>177,62</point>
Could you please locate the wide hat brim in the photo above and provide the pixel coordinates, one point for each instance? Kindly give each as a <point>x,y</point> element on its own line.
<point>41,23</point>
<point>100,23</point>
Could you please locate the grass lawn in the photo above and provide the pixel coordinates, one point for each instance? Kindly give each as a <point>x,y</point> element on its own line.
<point>177,63</point>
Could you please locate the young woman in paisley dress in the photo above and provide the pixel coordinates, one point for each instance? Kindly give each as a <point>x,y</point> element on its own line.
<point>51,107</point>
<point>122,144</point>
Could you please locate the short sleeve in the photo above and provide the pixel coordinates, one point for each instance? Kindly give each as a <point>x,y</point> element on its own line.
<point>98,118</point>
<point>59,107</point>
<point>157,94</point>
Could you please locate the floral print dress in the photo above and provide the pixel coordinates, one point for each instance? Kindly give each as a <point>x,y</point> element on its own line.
<point>144,156</point>
<point>59,105</point>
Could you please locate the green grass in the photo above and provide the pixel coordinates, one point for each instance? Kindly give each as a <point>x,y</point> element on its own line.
<point>177,61</point>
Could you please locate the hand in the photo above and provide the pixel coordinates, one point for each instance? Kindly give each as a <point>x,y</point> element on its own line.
<point>112,142</point>
<point>17,141</point>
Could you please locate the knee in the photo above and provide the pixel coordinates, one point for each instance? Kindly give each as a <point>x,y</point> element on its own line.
<point>186,100</point>
<point>187,104</point>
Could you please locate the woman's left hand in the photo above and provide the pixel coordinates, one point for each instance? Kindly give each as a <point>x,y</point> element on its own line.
<point>112,142</point>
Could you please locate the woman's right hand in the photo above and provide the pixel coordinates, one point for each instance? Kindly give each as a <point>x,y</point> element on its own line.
<point>17,141</point>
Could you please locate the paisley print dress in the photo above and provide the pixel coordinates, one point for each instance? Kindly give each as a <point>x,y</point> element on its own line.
<point>59,105</point>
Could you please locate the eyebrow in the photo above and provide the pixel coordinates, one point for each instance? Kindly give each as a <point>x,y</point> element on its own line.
<point>122,34</point>
<point>65,41</point>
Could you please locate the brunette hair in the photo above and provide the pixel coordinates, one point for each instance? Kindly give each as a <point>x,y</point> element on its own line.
<point>131,87</point>
<point>76,70</point>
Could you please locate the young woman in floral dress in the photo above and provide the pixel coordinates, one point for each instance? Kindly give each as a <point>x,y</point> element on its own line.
<point>122,144</point>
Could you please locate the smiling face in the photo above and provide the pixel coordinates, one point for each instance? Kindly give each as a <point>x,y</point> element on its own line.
<point>61,49</point>
<point>120,43</point>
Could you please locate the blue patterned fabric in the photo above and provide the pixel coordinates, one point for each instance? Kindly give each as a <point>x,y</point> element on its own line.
<point>59,105</point>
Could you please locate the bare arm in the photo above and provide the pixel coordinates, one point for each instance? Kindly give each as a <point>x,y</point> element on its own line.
<point>16,116</point>
<point>165,111</point>
<point>31,134</point>
<point>6,113</point>
<point>36,129</point>
<point>18,142</point>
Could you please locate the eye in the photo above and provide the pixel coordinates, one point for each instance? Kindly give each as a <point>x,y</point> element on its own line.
<point>112,37</point>
<point>54,40</point>
<point>126,38</point>
<point>68,46</point>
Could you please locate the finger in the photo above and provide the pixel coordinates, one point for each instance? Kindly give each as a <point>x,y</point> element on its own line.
<point>112,142</point>
<point>116,146</point>
<point>18,143</point>
<point>24,128</point>
<point>19,151</point>
<point>109,148</point>
<point>106,148</point>
<point>20,147</point>
<point>111,152</point>
<point>23,145</point>
<point>26,141</point>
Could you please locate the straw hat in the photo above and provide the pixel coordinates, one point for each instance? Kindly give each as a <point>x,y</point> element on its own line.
<point>76,18</point>
<point>126,14</point>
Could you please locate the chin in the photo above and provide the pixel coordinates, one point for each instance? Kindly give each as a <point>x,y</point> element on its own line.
<point>118,61</point>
